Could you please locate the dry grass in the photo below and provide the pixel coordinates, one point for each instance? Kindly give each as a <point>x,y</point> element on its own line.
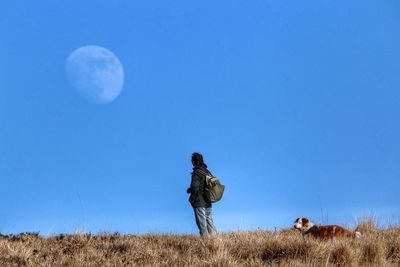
<point>377,247</point>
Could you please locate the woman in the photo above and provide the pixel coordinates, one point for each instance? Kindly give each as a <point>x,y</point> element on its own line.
<point>202,208</point>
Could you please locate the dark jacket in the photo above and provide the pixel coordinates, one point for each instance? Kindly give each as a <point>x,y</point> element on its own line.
<point>196,188</point>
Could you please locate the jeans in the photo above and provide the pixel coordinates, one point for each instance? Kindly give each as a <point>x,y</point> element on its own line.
<point>204,220</point>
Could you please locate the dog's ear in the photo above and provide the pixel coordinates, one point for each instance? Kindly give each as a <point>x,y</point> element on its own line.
<point>304,221</point>
<point>297,220</point>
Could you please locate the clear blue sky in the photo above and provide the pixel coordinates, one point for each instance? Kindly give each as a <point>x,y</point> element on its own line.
<point>295,106</point>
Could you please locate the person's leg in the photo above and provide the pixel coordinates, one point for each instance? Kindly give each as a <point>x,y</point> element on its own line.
<point>210,224</point>
<point>200,215</point>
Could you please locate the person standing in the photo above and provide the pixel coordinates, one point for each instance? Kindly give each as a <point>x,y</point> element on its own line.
<point>202,208</point>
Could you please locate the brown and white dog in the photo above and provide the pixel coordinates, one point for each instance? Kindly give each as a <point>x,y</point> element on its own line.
<point>306,227</point>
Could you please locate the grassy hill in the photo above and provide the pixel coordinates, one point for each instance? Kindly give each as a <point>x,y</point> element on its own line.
<point>378,247</point>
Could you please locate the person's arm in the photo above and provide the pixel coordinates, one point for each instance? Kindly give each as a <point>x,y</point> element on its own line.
<point>195,184</point>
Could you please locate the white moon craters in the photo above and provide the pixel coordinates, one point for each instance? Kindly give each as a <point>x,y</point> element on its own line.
<point>96,73</point>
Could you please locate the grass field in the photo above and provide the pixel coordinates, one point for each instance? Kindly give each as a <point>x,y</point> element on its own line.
<point>377,247</point>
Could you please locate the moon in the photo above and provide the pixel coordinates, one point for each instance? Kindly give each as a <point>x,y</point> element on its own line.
<point>95,73</point>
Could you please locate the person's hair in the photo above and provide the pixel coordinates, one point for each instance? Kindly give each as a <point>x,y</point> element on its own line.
<point>197,160</point>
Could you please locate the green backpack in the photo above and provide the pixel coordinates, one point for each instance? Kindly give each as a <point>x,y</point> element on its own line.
<point>213,190</point>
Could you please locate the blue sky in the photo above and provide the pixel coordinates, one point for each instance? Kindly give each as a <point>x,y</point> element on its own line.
<point>294,104</point>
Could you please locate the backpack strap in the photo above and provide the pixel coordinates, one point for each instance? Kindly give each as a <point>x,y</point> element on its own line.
<point>205,173</point>
<point>205,176</point>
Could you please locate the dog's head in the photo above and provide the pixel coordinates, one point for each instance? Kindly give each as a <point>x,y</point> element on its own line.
<point>302,224</point>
